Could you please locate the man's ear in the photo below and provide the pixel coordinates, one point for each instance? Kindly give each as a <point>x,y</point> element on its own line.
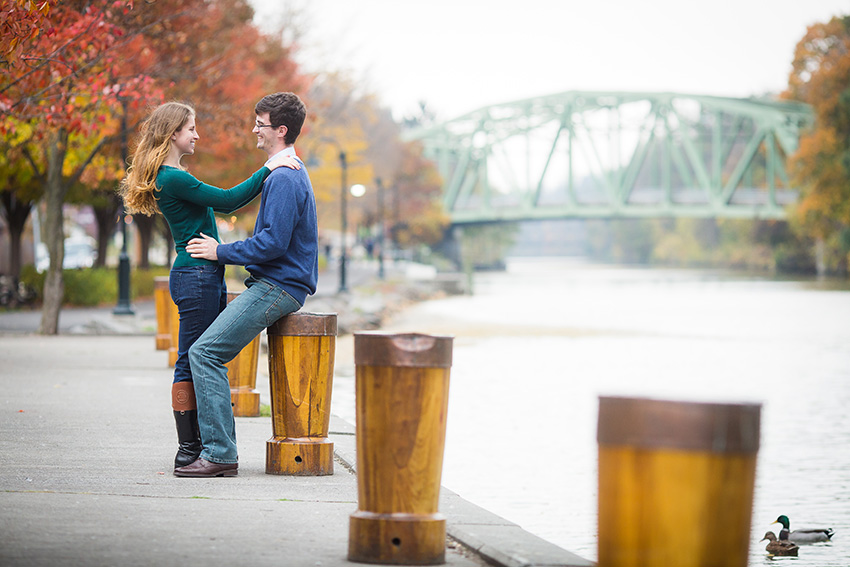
<point>281,131</point>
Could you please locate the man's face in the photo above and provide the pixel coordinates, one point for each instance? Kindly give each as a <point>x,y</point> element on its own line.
<point>266,135</point>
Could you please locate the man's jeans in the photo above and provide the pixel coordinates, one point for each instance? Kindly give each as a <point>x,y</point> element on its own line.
<point>245,317</point>
<point>200,295</point>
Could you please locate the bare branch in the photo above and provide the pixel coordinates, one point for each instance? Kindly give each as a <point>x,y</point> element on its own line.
<point>31,160</point>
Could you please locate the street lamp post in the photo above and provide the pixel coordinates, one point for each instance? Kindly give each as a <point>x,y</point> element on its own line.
<point>123,306</point>
<point>380,185</point>
<point>395,222</point>
<point>344,213</point>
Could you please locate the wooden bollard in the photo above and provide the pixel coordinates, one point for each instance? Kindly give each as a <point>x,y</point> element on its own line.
<point>402,393</point>
<point>302,347</point>
<point>174,327</point>
<point>162,298</point>
<point>242,375</point>
<point>676,482</point>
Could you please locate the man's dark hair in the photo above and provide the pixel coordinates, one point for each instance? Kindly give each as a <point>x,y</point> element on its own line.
<point>285,109</point>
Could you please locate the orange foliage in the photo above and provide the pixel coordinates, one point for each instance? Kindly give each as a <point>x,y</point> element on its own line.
<point>22,23</point>
<point>209,54</point>
<point>821,166</point>
<point>371,139</point>
<point>59,75</point>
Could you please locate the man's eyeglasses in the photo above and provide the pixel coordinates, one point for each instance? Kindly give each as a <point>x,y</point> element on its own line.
<point>260,125</point>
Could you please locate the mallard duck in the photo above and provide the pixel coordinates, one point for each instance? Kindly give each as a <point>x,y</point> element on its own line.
<point>776,547</point>
<point>806,535</point>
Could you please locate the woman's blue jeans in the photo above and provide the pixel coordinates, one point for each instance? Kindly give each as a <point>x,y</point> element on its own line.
<point>200,294</point>
<point>245,317</point>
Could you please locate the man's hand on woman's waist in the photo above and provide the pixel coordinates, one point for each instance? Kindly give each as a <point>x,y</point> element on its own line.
<point>205,247</point>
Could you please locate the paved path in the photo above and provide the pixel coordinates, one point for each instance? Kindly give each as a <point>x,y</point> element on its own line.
<point>87,443</point>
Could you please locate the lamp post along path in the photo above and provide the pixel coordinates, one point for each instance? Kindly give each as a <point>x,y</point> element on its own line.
<point>343,210</point>
<point>344,223</point>
<point>381,273</point>
<point>123,306</point>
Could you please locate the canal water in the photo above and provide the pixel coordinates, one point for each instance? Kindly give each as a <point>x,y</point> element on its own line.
<point>536,346</point>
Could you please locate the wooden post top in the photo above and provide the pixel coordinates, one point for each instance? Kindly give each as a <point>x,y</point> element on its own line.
<point>304,325</point>
<point>160,282</point>
<point>376,348</point>
<point>662,424</point>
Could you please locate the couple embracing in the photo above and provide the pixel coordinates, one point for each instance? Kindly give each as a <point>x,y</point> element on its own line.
<point>281,257</point>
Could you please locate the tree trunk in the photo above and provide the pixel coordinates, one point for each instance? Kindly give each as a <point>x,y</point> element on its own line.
<point>54,192</point>
<point>16,213</point>
<point>107,217</point>
<point>144,226</point>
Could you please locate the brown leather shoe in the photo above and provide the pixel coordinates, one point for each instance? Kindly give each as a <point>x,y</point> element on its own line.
<point>203,468</point>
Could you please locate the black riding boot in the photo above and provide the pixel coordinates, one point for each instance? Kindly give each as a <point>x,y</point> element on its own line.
<point>186,418</point>
<point>188,437</point>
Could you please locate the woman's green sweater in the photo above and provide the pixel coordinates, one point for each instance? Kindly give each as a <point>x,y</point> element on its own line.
<point>188,204</point>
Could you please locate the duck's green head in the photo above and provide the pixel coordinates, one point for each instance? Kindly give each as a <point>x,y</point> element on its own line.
<point>784,521</point>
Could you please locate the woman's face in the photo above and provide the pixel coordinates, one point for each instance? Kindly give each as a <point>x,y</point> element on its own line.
<point>184,138</point>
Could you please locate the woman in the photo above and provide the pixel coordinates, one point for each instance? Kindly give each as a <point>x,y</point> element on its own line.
<point>156,181</point>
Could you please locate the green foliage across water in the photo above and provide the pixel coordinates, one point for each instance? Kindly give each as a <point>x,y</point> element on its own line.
<point>760,245</point>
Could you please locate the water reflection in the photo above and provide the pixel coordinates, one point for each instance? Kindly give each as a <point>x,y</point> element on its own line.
<point>537,345</point>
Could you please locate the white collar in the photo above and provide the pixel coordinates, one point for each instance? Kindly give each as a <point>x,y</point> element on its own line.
<point>287,151</point>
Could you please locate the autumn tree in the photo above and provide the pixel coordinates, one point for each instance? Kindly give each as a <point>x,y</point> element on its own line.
<point>346,119</point>
<point>211,55</point>
<point>821,166</point>
<point>61,82</point>
<point>18,189</point>
<point>87,67</point>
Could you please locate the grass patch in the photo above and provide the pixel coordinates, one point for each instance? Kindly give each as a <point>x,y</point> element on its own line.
<point>95,286</point>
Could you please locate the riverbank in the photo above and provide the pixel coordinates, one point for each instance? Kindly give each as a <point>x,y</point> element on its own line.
<point>369,306</point>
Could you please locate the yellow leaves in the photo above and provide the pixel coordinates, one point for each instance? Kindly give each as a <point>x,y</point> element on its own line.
<point>18,133</point>
<point>820,76</point>
<point>320,149</point>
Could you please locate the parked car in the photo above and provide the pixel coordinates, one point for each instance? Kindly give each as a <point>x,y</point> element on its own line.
<point>79,253</point>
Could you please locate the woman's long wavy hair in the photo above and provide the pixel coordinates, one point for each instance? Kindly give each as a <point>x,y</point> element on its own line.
<point>139,186</point>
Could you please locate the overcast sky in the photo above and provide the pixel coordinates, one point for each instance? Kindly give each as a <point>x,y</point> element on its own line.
<point>460,55</point>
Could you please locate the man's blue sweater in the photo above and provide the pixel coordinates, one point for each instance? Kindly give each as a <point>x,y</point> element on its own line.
<point>284,248</point>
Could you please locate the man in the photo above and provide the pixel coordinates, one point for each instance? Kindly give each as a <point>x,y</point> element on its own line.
<point>282,259</point>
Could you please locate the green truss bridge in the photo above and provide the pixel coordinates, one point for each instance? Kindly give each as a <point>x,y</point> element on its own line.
<point>617,154</point>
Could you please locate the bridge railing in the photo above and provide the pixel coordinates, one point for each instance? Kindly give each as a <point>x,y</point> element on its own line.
<point>608,154</point>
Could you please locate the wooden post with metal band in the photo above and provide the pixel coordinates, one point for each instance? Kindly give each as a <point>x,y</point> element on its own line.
<point>162,298</point>
<point>242,375</point>
<point>174,327</point>
<point>676,482</point>
<point>302,347</point>
<point>402,392</point>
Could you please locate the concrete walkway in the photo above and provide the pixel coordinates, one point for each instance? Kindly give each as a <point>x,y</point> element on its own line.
<point>86,448</point>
